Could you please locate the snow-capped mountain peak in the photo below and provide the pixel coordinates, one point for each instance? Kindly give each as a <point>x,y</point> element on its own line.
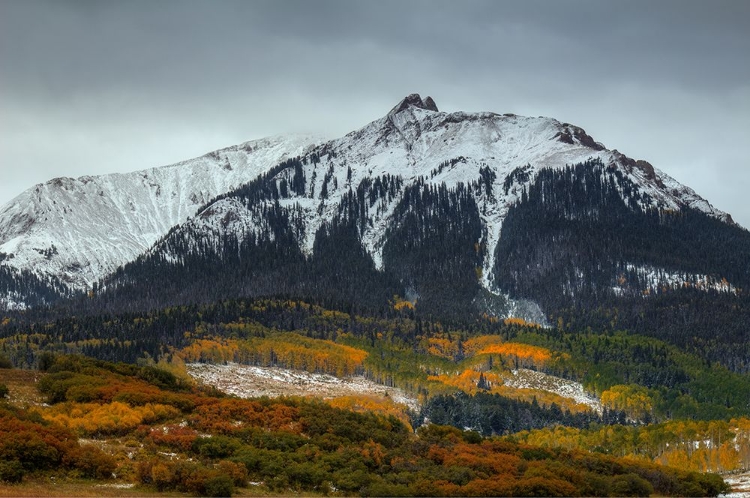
<point>80,230</point>
<point>416,142</point>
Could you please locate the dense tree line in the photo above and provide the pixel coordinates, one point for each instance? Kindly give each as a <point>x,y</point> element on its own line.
<point>492,414</point>
<point>432,247</point>
<point>404,351</point>
<point>27,287</point>
<point>576,238</point>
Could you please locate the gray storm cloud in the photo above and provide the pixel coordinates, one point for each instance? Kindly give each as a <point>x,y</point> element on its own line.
<point>90,87</point>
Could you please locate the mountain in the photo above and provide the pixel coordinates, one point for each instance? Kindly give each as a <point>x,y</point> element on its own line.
<point>452,214</point>
<point>458,212</point>
<point>62,236</point>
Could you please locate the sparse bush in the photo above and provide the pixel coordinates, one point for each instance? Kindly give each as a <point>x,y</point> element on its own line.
<point>631,485</point>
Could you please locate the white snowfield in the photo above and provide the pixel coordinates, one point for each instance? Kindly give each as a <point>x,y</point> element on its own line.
<point>657,278</point>
<point>523,378</point>
<point>247,381</point>
<point>82,229</point>
<point>740,484</point>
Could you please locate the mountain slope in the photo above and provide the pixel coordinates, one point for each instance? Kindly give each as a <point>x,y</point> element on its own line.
<point>413,203</point>
<point>79,230</point>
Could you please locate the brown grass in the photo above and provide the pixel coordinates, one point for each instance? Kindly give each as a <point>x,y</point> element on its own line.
<point>47,487</point>
<point>43,487</point>
<point>22,386</point>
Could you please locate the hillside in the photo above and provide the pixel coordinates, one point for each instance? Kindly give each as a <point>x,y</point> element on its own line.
<point>62,236</point>
<point>141,430</point>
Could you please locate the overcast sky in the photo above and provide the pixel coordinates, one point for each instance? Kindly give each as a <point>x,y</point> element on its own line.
<point>92,87</point>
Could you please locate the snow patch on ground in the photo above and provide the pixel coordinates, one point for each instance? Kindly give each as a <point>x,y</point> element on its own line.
<point>740,484</point>
<point>657,278</point>
<point>247,381</point>
<point>531,379</point>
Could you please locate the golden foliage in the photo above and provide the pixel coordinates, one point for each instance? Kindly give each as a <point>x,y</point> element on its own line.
<point>442,347</point>
<point>376,404</point>
<point>525,353</point>
<point>468,382</point>
<point>109,418</point>
<point>634,400</point>
<point>520,322</point>
<point>286,350</point>
<point>700,446</point>
<point>402,304</point>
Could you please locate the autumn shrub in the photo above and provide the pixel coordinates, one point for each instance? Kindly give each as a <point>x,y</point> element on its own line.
<point>162,476</point>
<point>219,485</point>
<point>143,471</point>
<point>11,471</point>
<point>30,445</point>
<point>91,462</point>
<point>57,385</point>
<point>173,436</point>
<point>199,480</point>
<point>216,447</point>
<point>4,391</point>
<point>184,476</point>
<point>236,471</point>
<point>594,485</point>
<point>545,486</point>
<point>35,446</point>
<point>5,363</point>
<point>109,418</point>
<point>633,485</point>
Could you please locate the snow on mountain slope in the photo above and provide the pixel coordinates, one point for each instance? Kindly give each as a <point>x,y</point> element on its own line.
<point>414,140</point>
<point>82,229</point>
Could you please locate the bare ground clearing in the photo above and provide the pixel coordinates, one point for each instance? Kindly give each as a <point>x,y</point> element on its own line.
<point>248,381</point>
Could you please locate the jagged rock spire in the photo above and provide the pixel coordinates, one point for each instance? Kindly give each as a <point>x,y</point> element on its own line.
<point>414,100</point>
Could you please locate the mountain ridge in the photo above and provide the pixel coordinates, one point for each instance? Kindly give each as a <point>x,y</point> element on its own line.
<point>404,126</point>
<point>80,230</point>
<point>414,204</point>
<point>413,141</point>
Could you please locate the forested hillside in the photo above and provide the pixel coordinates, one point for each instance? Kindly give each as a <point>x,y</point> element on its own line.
<point>146,428</point>
<point>581,244</point>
